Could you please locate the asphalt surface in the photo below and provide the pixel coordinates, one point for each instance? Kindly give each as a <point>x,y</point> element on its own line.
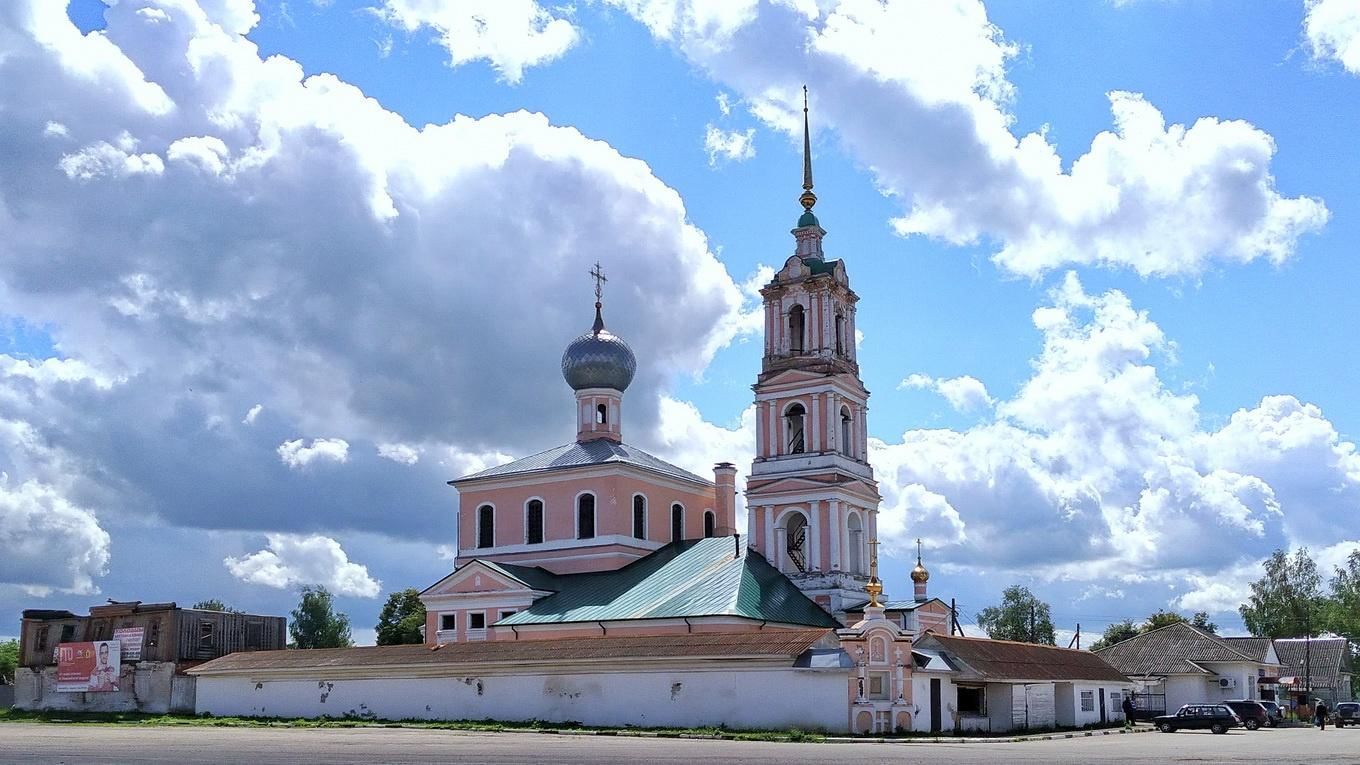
<point>96,745</point>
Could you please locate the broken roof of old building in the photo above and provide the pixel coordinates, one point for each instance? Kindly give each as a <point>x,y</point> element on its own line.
<point>786,644</point>
<point>1006,660</point>
<point>1176,649</point>
<point>586,454</point>
<point>1326,658</point>
<point>717,576</point>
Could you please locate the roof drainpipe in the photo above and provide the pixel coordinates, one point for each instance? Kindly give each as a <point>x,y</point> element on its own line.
<point>514,630</point>
<point>603,631</point>
<point>689,627</point>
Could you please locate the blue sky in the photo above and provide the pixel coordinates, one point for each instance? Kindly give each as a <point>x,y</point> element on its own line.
<point>1195,410</point>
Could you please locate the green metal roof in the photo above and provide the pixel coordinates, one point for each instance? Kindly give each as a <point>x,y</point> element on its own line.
<point>693,578</point>
<point>807,219</point>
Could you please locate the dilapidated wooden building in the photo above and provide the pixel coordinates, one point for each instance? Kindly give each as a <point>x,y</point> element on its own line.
<point>159,641</point>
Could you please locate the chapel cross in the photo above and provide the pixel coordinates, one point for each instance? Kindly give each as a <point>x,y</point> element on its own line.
<point>918,549</point>
<point>597,274</point>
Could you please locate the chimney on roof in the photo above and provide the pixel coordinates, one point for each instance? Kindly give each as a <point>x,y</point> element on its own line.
<point>725,495</point>
<point>736,544</point>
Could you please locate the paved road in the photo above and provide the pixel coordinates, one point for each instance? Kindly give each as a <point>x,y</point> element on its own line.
<point>96,745</point>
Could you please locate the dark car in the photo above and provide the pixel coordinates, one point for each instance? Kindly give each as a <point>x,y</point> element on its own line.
<point>1275,712</point>
<point>1215,717</point>
<point>1252,713</point>
<point>1347,713</point>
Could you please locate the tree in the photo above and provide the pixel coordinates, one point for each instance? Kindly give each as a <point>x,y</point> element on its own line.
<point>9,660</point>
<point>1117,633</point>
<point>1343,609</point>
<point>213,604</point>
<point>1287,600</point>
<point>1201,620</point>
<point>315,623</point>
<point>1021,616</point>
<point>1162,619</point>
<point>401,618</point>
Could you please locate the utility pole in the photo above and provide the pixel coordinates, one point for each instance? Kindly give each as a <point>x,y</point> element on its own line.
<point>954,619</point>
<point>1076,639</point>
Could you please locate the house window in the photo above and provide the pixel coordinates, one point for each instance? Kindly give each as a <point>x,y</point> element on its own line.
<point>207,635</point>
<point>533,522</point>
<point>68,633</point>
<point>878,685</point>
<point>477,620</point>
<point>846,446</point>
<point>585,516</point>
<point>972,701</point>
<point>153,633</point>
<point>507,614</point>
<point>796,329</point>
<point>1088,701</point>
<point>840,331</point>
<point>639,516</point>
<point>793,429</point>
<point>709,523</point>
<point>448,622</point>
<point>677,522</point>
<point>601,414</point>
<point>486,526</point>
<point>42,639</point>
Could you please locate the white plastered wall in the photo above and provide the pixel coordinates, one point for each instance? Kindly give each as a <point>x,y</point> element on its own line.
<point>778,698</point>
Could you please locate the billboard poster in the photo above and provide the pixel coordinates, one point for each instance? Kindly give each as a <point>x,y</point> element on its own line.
<point>88,667</point>
<point>130,638</point>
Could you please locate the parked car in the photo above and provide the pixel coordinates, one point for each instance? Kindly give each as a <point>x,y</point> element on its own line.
<point>1252,713</point>
<point>1215,717</point>
<point>1275,711</point>
<point>1347,713</point>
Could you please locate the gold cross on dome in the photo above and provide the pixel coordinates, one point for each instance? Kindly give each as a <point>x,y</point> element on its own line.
<point>597,274</point>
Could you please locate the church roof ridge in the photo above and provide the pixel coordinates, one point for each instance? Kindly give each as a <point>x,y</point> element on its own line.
<point>585,454</point>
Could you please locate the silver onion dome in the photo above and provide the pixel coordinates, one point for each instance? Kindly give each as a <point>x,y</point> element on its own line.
<point>598,359</point>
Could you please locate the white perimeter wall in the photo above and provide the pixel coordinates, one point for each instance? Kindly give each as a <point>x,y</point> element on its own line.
<point>144,687</point>
<point>777,698</point>
<point>920,699</point>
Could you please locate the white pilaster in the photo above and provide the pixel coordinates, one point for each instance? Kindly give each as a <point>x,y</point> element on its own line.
<point>781,547</point>
<point>833,525</point>
<point>771,551</point>
<point>815,430</point>
<point>772,446</point>
<point>815,537</point>
<point>844,533</point>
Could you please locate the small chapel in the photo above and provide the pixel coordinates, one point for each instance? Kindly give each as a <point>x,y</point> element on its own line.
<point>597,583</point>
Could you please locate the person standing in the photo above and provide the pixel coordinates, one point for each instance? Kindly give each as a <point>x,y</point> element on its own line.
<point>1128,710</point>
<point>1321,714</point>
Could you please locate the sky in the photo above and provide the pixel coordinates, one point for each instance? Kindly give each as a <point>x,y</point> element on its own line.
<point>271,273</point>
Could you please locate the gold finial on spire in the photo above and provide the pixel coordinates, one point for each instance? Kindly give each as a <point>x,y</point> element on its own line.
<point>919,574</point>
<point>874,587</point>
<point>597,274</point>
<point>808,199</point>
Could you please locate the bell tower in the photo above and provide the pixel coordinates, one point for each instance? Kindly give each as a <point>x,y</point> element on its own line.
<point>811,496</point>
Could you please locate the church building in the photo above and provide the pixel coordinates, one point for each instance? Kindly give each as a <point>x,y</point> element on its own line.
<point>597,583</point>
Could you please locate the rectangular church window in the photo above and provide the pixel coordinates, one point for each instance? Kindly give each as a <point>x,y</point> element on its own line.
<point>448,622</point>
<point>477,620</point>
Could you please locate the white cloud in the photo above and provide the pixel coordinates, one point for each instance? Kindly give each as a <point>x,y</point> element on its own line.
<point>403,453</point>
<point>49,544</point>
<point>685,438</point>
<point>729,145</point>
<point>1096,471</point>
<point>724,104</point>
<point>292,560</point>
<point>1333,31</point>
<point>511,35</point>
<point>293,249</point>
<point>252,414</point>
<point>964,394</point>
<point>296,455</point>
<point>918,92</point>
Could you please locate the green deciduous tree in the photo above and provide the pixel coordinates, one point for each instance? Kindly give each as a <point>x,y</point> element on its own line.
<point>1287,600</point>
<point>315,623</point>
<point>1021,616</point>
<point>401,618</point>
<point>9,660</point>
<point>1343,609</point>
<point>1117,633</point>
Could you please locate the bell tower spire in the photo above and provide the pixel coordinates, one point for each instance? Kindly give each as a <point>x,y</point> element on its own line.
<point>809,232</point>
<point>808,199</point>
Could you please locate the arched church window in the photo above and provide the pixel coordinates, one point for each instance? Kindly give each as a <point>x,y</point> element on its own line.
<point>795,540</point>
<point>639,516</point>
<point>677,522</point>
<point>533,522</point>
<point>585,516</point>
<point>846,446</point>
<point>840,333</point>
<point>793,428</point>
<point>797,328</point>
<point>856,544</point>
<point>486,526</point>
<point>601,414</point>
<point>710,523</point>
